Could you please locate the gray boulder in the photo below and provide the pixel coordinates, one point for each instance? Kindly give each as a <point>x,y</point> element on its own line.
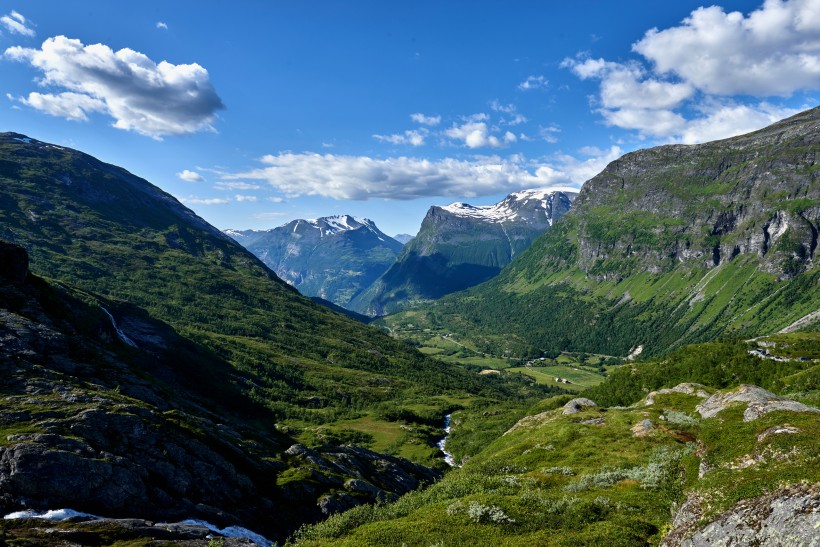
<point>577,405</point>
<point>758,402</point>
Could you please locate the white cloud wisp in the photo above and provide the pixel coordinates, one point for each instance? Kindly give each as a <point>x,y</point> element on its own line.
<point>15,23</point>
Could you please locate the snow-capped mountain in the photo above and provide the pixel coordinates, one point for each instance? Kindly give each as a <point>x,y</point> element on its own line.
<point>519,206</point>
<point>460,245</point>
<point>331,257</point>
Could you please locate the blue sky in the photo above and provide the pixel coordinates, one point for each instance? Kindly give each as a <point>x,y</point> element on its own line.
<point>257,113</point>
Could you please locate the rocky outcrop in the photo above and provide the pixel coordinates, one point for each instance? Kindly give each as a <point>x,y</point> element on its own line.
<point>375,477</point>
<point>642,428</point>
<point>758,402</point>
<point>788,516</point>
<point>686,388</point>
<point>577,405</point>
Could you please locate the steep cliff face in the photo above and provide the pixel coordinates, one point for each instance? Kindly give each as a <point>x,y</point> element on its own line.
<point>333,258</point>
<point>704,205</point>
<point>460,245</point>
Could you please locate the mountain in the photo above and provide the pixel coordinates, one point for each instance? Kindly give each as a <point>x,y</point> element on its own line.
<point>666,246</point>
<point>156,369</point>
<point>460,245</point>
<point>333,258</point>
<point>404,239</point>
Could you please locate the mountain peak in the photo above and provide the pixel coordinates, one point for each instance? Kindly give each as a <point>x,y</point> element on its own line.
<point>509,208</point>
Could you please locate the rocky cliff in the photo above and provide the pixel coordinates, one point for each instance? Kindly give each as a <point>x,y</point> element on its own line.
<point>757,194</point>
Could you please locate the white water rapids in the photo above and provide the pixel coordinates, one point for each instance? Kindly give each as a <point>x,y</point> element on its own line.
<point>448,457</point>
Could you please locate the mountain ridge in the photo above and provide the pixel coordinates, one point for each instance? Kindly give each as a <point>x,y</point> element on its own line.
<point>333,258</point>
<point>460,245</point>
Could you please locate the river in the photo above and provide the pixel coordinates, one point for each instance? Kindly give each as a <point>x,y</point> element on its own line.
<point>448,457</point>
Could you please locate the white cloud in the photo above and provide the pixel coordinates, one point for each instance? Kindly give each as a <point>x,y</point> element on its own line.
<point>16,24</point>
<point>548,134</point>
<point>236,186</point>
<point>627,85</point>
<point>240,197</point>
<point>204,201</point>
<point>700,74</point>
<point>142,96</point>
<point>474,135</point>
<point>190,176</point>
<point>719,121</point>
<point>533,82</point>
<point>414,137</point>
<point>420,118</point>
<point>401,178</point>
<point>511,116</point>
<point>276,199</point>
<point>503,108</point>
<point>68,105</point>
<point>774,51</point>
<point>162,25</point>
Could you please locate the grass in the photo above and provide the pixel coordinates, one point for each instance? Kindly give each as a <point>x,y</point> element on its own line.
<point>579,379</point>
<point>557,481</point>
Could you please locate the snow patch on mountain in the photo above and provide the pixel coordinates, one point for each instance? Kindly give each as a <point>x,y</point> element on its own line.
<point>508,209</point>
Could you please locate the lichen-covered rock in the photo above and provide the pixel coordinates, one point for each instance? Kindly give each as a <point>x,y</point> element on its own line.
<point>777,430</point>
<point>687,388</point>
<point>642,428</point>
<point>577,405</point>
<point>759,402</point>
<point>788,517</point>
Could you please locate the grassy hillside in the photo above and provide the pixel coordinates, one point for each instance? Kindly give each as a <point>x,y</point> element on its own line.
<point>616,475</point>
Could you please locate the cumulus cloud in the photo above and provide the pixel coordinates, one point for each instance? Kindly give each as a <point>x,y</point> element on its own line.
<point>190,176</point>
<point>533,82</point>
<point>719,120</point>
<point>241,197</point>
<point>473,131</point>
<point>152,99</point>
<point>691,85</point>
<point>420,118</point>
<point>402,178</point>
<point>774,51</point>
<point>162,25</point>
<point>68,105</point>
<point>414,137</point>
<point>15,23</point>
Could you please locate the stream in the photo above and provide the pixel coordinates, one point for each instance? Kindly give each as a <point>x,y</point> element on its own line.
<point>448,457</point>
